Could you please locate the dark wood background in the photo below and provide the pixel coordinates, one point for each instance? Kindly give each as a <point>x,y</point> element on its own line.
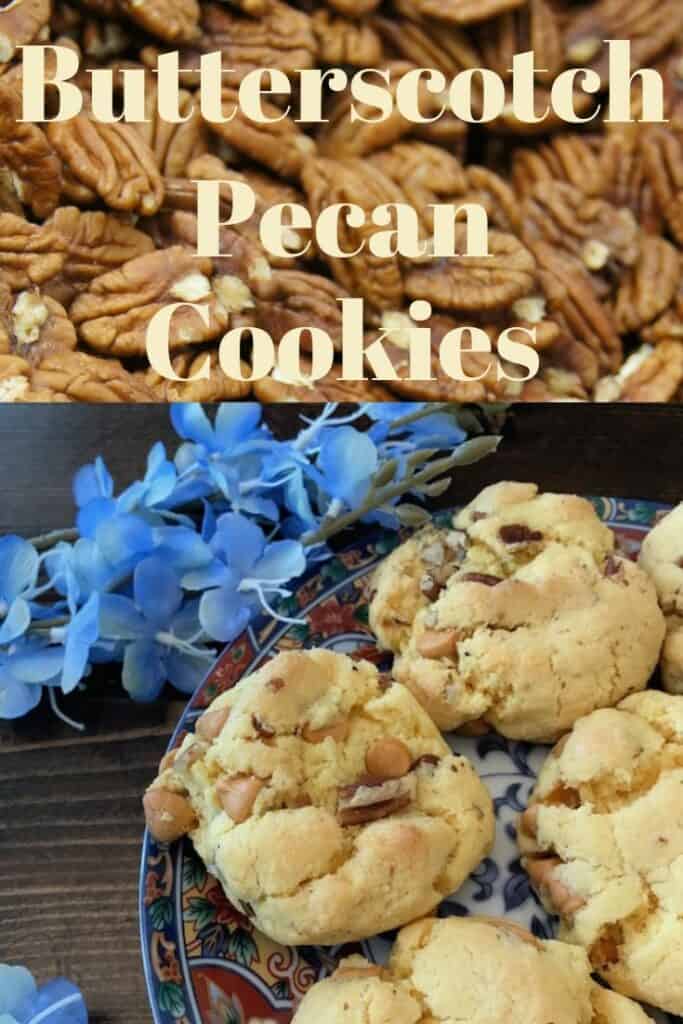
<point>70,818</point>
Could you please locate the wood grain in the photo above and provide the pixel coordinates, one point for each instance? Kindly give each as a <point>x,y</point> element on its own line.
<point>71,824</point>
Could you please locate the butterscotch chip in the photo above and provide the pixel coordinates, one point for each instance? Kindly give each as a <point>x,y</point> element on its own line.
<point>607,860</point>
<point>292,824</point>
<point>588,639</point>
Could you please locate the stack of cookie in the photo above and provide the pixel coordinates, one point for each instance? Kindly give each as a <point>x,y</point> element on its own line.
<point>324,798</point>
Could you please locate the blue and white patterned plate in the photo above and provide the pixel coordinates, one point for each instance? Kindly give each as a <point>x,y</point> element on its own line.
<point>204,962</point>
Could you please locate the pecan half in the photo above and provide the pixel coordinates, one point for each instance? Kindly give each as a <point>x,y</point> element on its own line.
<point>33,326</point>
<point>110,160</point>
<point>173,145</point>
<point>281,146</point>
<point>326,182</point>
<point>650,25</point>
<point>344,41</point>
<point>663,158</point>
<point>113,314</point>
<point>649,287</point>
<point>590,229</point>
<point>297,300</point>
<point>170,20</point>
<point>21,21</point>
<point>85,378</point>
<point>35,171</point>
<point>95,242</point>
<point>470,283</point>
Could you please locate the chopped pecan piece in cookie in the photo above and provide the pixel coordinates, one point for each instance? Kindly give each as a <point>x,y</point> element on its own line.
<point>369,800</point>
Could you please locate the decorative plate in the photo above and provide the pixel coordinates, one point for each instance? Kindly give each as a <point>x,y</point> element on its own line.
<point>204,962</point>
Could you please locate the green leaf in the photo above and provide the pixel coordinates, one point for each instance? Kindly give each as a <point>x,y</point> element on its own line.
<point>171,999</point>
<point>161,912</point>
<point>242,947</point>
<point>200,911</point>
<point>194,873</point>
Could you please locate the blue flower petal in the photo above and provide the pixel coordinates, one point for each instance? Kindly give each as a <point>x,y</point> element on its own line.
<point>59,1002</point>
<point>347,459</point>
<point>181,548</point>
<point>33,663</point>
<point>157,591</point>
<point>223,614</point>
<point>81,634</point>
<point>185,623</point>
<point>16,986</point>
<point>120,619</point>
<point>284,560</point>
<point>143,670</point>
<point>18,567</point>
<point>92,481</point>
<point>125,538</point>
<point>161,487</point>
<point>184,671</point>
<point>239,541</point>
<point>235,422</point>
<point>191,423</point>
<point>92,515</point>
<point>16,622</point>
<point>215,575</point>
<point>17,699</point>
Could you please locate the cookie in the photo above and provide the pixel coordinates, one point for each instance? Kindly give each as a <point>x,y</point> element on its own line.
<point>540,624</point>
<point>324,800</point>
<point>661,556</point>
<point>415,572</point>
<point>602,841</point>
<point>473,970</point>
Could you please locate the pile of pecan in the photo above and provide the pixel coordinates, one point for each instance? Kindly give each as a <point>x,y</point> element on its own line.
<point>98,229</point>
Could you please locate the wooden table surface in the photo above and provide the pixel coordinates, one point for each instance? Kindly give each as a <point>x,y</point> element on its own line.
<point>70,821</point>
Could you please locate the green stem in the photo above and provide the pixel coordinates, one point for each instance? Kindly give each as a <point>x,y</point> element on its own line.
<point>48,540</point>
<point>466,454</point>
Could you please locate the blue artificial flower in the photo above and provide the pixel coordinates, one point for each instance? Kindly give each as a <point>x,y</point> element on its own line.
<point>78,638</point>
<point>246,570</point>
<point>19,563</point>
<point>346,463</point>
<point>224,457</point>
<point>155,488</point>
<point>23,1002</point>
<point>93,490</point>
<point>160,635</point>
<point>25,667</point>
<point>78,570</point>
